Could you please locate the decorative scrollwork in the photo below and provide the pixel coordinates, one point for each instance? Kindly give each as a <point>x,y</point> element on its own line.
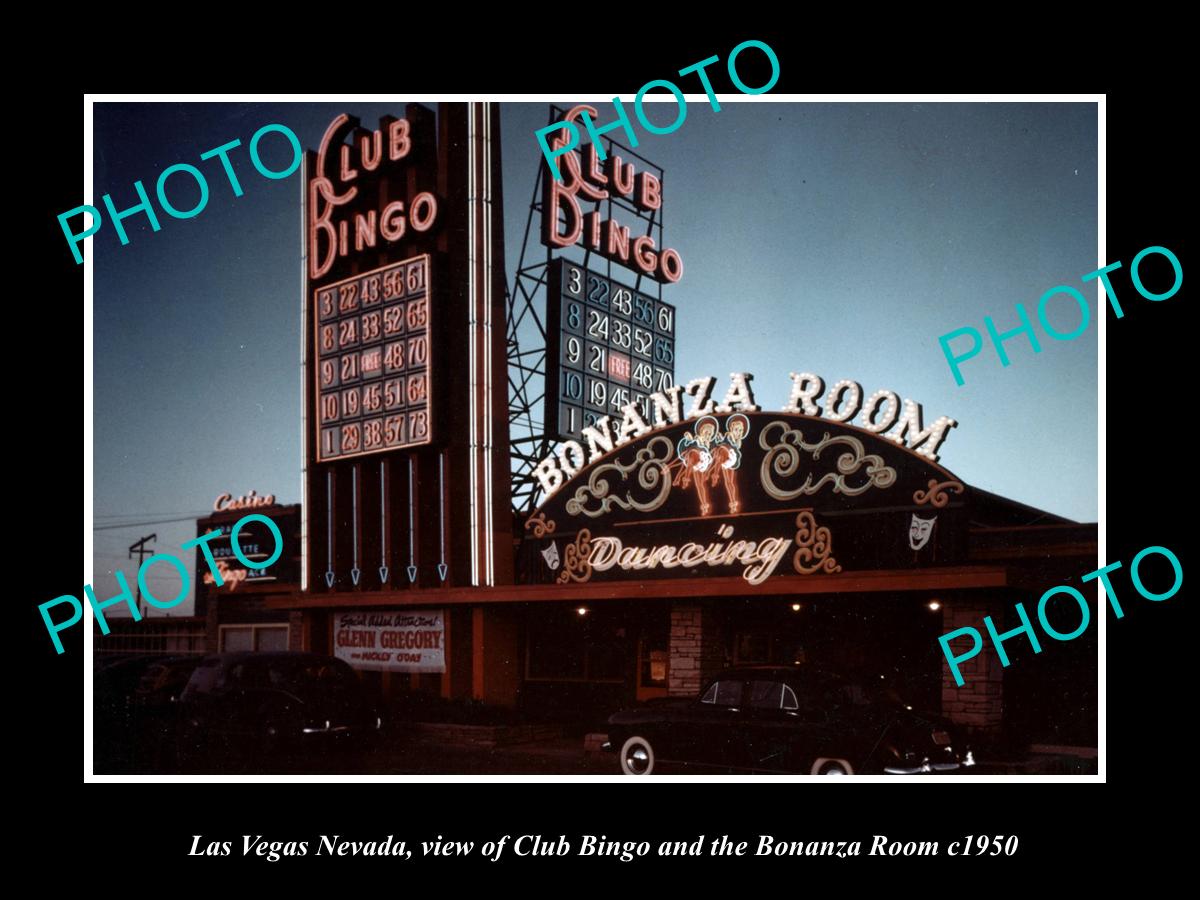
<point>577,559</point>
<point>783,459</point>
<point>649,468</point>
<point>815,543</point>
<point>938,494</point>
<point>541,527</point>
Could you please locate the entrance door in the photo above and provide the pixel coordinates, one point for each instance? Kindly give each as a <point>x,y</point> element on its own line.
<point>580,664</point>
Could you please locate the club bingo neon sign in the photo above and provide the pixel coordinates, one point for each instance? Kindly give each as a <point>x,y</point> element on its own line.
<point>882,411</point>
<point>368,152</point>
<point>587,182</point>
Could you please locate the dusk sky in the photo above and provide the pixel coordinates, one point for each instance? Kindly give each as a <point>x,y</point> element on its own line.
<point>839,239</point>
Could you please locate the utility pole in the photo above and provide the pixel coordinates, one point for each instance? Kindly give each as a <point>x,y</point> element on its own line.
<point>139,547</point>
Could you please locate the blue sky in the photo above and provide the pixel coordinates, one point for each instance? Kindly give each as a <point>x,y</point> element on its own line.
<point>840,239</point>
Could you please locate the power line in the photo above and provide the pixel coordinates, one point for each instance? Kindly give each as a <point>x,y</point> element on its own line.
<point>134,515</point>
<point>138,524</point>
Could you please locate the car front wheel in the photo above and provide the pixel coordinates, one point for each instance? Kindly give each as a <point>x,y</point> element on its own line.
<point>637,756</point>
<point>832,766</point>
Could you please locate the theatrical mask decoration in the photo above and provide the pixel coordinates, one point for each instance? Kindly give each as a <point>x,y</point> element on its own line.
<point>550,554</point>
<point>920,531</point>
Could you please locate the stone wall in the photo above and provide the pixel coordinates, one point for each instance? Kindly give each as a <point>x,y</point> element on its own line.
<point>696,652</point>
<point>979,703</point>
<point>296,630</point>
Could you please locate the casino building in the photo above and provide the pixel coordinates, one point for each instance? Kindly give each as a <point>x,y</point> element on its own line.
<point>552,525</point>
<point>236,612</point>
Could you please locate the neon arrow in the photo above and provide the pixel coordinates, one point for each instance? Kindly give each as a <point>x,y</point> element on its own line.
<point>442,516</point>
<point>412,562</point>
<point>329,528</point>
<point>383,569</point>
<point>354,572</point>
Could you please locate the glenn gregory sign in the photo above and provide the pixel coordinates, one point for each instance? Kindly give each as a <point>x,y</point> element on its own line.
<point>738,491</point>
<point>392,641</point>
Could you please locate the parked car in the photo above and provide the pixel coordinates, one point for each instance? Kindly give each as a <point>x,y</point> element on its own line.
<point>114,722</point>
<point>265,708</point>
<point>779,719</point>
<point>116,680</point>
<point>156,710</point>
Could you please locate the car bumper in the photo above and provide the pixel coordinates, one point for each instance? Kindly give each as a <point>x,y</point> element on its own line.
<point>925,767</point>
<point>330,727</point>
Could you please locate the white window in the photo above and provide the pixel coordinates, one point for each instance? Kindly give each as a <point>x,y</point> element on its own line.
<point>243,638</point>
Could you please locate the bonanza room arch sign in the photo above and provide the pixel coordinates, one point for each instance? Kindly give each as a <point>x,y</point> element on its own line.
<point>729,489</point>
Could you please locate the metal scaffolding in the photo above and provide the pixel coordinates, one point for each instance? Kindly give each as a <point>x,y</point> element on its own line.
<point>527,327</point>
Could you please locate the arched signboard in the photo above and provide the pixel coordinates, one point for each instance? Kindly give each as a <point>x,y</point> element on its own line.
<point>754,495</point>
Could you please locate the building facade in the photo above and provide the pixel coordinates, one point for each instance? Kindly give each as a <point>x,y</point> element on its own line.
<point>650,533</point>
<point>237,614</point>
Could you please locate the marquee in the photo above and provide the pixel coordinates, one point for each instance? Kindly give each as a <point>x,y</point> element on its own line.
<point>753,494</point>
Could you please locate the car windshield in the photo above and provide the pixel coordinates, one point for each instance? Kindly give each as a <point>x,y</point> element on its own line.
<point>206,678</point>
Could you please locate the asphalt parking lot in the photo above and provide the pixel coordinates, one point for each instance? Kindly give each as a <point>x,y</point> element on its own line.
<point>392,756</point>
<point>561,756</point>
<point>409,756</point>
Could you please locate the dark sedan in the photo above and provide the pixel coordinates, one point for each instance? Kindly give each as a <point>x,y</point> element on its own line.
<point>793,720</point>
<point>265,709</point>
<point>156,708</point>
<point>116,722</point>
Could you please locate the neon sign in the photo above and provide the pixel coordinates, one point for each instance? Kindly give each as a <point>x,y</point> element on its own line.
<point>372,335</point>
<point>225,502</point>
<point>787,494</point>
<point>710,457</point>
<point>613,347</point>
<point>618,181</point>
<point>881,411</point>
<point>759,559</point>
<point>339,171</point>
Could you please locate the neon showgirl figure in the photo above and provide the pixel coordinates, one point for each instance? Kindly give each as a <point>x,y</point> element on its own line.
<point>695,452</point>
<point>727,458</point>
